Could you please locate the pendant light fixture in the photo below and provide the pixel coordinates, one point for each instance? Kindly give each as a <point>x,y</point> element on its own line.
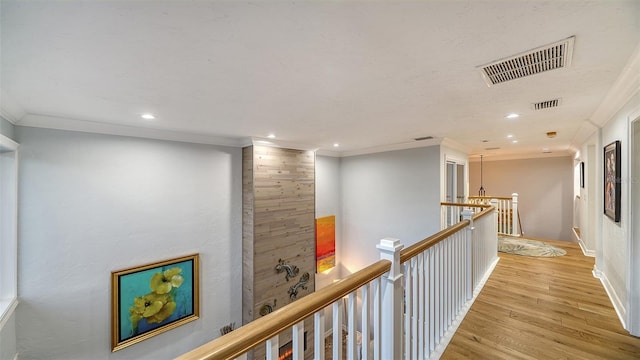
<point>481,192</point>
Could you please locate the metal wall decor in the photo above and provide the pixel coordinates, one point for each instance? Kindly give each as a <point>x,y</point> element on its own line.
<point>302,283</point>
<point>227,328</point>
<point>291,270</point>
<point>268,308</point>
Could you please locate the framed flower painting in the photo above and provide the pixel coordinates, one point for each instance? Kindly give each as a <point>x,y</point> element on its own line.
<point>150,299</point>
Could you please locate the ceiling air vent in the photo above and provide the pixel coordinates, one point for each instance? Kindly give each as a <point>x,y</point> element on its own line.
<point>546,104</point>
<point>545,58</point>
<point>423,138</point>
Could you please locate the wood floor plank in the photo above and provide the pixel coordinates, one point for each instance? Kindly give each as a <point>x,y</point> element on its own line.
<point>543,308</point>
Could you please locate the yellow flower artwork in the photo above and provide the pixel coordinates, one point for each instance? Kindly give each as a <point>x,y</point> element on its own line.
<point>159,304</point>
<point>153,298</point>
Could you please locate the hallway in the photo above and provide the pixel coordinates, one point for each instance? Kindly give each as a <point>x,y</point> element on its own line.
<point>543,308</point>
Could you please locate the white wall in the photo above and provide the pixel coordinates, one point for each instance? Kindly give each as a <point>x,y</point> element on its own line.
<point>613,262</point>
<point>8,328</point>
<point>586,205</point>
<point>91,204</point>
<point>328,202</point>
<point>8,338</point>
<point>390,194</point>
<point>545,189</point>
<point>7,128</point>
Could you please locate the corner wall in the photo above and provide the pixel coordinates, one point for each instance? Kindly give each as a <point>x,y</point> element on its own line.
<point>8,328</point>
<point>90,204</point>
<point>390,194</point>
<point>7,129</point>
<point>545,189</point>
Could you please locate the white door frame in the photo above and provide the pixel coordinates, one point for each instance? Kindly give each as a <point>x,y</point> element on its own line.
<point>633,280</point>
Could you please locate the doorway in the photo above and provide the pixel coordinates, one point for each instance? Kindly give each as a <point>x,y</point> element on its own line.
<point>455,190</point>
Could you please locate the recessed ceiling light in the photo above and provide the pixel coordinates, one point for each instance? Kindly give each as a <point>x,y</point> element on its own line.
<point>509,136</point>
<point>336,145</point>
<point>271,136</point>
<point>148,116</point>
<point>515,141</point>
<point>512,116</point>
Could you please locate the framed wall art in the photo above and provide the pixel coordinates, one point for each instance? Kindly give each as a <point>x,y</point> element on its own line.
<point>150,299</point>
<point>325,243</point>
<point>612,191</point>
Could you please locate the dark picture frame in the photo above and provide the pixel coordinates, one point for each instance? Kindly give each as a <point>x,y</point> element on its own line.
<point>582,174</point>
<point>612,181</point>
<point>150,299</point>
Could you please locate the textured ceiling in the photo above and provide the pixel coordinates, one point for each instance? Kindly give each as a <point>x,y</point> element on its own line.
<point>363,74</point>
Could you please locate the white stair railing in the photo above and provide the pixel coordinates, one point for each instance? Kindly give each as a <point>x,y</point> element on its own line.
<point>405,306</point>
<point>508,219</point>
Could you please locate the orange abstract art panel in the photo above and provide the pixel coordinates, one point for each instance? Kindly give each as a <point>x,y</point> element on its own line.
<point>325,243</point>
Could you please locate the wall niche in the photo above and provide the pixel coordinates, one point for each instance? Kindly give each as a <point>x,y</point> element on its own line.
<point>278,236</point>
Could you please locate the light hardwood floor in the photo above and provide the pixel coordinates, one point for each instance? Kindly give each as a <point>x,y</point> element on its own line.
<point>543,308</point>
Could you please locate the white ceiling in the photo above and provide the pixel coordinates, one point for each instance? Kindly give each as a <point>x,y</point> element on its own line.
<point>367,75</point>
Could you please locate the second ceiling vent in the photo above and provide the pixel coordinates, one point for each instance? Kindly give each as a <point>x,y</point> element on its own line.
<point>535,61</point>
<point>547,104</point>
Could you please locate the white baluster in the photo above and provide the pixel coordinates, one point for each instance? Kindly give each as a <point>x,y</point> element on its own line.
<point>351,337</point>
<point>366,326</point>
<point>377,322</point>
<point>468,255</point>
<point>514,218</point>
<point>318,337</point>
<point>298,341</point>
<point>337,329</point>
<point>272,348</point>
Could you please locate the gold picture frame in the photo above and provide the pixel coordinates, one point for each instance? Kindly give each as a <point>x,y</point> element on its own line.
<point>150,299</point>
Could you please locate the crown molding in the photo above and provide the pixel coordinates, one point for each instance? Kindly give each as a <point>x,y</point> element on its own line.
<point>451,144</point>
<point>259,141</point>
<point>60,123</point>
<point>505,157</point>
<point>626,86</point>
<point>9,109</point>
<point>392,147</point>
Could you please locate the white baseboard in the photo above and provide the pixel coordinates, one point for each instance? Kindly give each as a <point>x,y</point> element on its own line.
<point>615,300</point>
<point>448,335</point>
<point>585,251</point>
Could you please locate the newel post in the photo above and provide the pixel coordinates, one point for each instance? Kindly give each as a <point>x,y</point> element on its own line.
<point>467,214</point>
<point>494,203</point>
<point>514,217</point>
<point>392,301</point>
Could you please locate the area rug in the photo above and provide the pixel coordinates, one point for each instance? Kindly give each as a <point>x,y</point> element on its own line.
<point>528,247</point>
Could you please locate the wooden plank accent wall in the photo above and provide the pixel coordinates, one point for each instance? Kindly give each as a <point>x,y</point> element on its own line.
<point>278,199</point>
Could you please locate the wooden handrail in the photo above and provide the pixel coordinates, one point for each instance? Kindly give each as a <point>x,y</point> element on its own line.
<point>465,205</point>
<point>260,330</point>
<point>484,212</point>
<point>490,197</point>
<point>420,247</point>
